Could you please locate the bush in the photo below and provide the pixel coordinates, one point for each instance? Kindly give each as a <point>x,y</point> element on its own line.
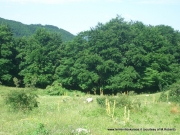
<point>172,96</point>
<point>101,101</point>
<point>21,100</point>
<point>132,93</point>
<point>121,101</point>
<point>163,97</point>
<point>174,93</point>
<point>56,89</point>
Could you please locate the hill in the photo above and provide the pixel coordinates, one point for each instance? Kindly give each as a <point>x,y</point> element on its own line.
<point>19,29</point>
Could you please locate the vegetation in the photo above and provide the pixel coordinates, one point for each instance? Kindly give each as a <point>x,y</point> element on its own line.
<point>119,60</point>
<point>173,95</point>
<point>110,58</point>
<point>58,115</point>
<point>6,55</point>
<point>21,30</point>
<point>120,56</point>
<point>121,101</point>
<point>21,101</point>
<point>56,89</point>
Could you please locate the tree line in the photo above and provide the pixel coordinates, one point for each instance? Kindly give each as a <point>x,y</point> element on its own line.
<point>114,57</point>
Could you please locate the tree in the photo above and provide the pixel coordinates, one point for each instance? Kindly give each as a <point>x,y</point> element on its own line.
<point>119,56</point>
<point>6,48</point>
<point>41,58</point>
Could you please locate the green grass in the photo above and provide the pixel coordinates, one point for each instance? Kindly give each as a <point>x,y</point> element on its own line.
<point>59,115</point>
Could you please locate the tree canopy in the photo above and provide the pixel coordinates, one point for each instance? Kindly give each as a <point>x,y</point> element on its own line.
<point>6,53</point>
<point>121,55</point>
<point>114,57</point>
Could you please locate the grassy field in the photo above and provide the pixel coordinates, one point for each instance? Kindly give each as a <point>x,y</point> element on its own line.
<point>60,115</point>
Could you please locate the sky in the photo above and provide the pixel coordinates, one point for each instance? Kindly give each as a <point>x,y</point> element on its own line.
<point>80,15</point>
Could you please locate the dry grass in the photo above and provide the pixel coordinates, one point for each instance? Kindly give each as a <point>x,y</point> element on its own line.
<point>174,109</point>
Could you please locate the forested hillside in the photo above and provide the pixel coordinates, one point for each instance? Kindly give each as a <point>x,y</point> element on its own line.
<point>113,57</point>
<point>20,30</point>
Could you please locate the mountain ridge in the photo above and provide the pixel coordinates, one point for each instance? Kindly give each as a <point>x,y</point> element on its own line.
<point>19,29</point>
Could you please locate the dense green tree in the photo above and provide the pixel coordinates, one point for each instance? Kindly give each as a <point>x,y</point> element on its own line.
<point>121,55</point>
<point>41,57</point>
<point>116,56</point>
<point>6,49</point>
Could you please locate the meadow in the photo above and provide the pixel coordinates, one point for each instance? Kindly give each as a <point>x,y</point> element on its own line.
<point>61,115</point>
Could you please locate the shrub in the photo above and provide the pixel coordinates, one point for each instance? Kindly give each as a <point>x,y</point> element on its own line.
<point>21,100</point>
<point>132,93</point>
<point>174,93</point>
<point>101,101</point>
<point>163,97</point>
<point>56,89</point>
<point>121,101</point>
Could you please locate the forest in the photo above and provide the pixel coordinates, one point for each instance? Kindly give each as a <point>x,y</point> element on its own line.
<point>115,57</point>
<point>19,30</point>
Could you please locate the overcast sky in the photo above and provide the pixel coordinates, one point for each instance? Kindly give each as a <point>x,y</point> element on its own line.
<point>79,15</point>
